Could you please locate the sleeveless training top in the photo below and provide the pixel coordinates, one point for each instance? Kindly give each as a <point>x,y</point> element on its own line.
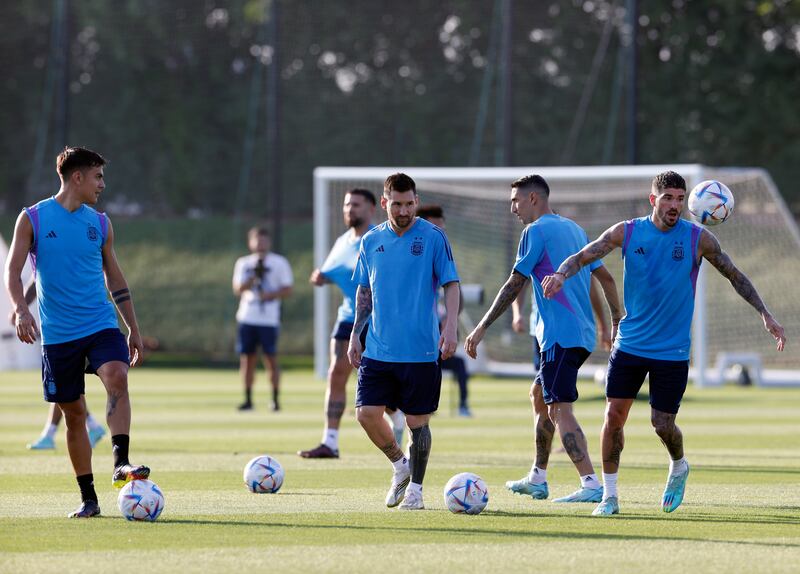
<point>67,258</point>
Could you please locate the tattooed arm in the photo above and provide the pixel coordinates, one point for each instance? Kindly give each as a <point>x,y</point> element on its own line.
<point>597,249</point>
<point>710,248</point>
<point>507,294</point>
<point>363,312</point>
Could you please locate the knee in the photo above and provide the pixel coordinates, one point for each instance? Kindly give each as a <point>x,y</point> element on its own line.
<point>116,380</point>
<point>663,426</point>
<point>339,370</point>
<point>74,413</point>
<point>365,417</point>
<point>615,418</point>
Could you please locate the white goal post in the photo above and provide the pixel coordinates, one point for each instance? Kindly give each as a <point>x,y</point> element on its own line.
<point>761,237</point>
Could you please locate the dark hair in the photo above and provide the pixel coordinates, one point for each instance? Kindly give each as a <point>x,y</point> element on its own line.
<point>399,182</point>
<point>669,180</point>
<point>260,231</point>
<point>73,158</point>
<point>428,211</point>
<point>533,183</point>
<point>365,193</point>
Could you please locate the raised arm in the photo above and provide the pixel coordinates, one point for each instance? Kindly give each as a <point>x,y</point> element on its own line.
<point>609,287</point>
<point>597,249</point>
<point>508,293</point>
<point>25,324</point>
<point>363,312</point>
<point>710,249</point>
<point>121,294</point>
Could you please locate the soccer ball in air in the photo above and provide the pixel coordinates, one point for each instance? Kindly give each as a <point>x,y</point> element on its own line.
<point>263,474</point>
<point>141,500</point>
<point>466,493</point>
<point>710,202</point>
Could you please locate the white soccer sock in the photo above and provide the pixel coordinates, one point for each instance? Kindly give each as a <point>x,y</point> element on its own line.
<point>91,422</point>
<point>609,485</point>
<point>398,419</point>
<point>330,438</point>
<point>400,465</point>
<point>676,467</point>
<point>590,481</point>
<point>537,475</point>
<point>49,430</point>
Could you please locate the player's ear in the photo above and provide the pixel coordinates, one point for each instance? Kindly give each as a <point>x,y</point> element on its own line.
<point>652,199</point>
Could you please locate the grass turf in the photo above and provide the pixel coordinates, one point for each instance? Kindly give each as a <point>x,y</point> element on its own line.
<point>742,508</point>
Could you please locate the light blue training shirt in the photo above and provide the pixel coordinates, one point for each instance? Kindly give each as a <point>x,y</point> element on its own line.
<point>661,270</point>
<point>404,273</point>
<point>68,261</point>
<point>338,269</point>
<point>567,318</point>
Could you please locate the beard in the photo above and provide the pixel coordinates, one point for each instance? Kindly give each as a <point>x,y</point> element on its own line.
<point>403,221</point>
<point>353,221</point>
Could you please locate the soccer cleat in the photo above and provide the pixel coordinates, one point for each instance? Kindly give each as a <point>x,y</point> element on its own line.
<point>523,486</point>
<point>607,507</point>
<point>583,494</point>
<point>87,509</point>
<point>464,412</point>
<point>397,490</point>
<point>673,493</point>
<point>246,406</point>
<point>44,442</point>
<point>276,406</point>
<point>95,435</point>
<point>125,473</point>
<point>321,451</point>
<point>412,501</point>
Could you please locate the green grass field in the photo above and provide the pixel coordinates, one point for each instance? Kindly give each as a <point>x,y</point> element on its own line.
<point>741,514</point>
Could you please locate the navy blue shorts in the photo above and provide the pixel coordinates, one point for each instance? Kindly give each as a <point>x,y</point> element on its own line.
<point>64,364</point>
<point>559,373</point>
<point>251,336</point>
<point>413,388</point>
<point>343,329</point>
<point>626,375</point>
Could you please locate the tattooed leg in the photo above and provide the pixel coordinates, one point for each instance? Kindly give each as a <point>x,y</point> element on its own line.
<point>574,440</point>
<point>336,393</point>
<point>379,431</point>
<point>613,437</point>
<point>544,429</point>
<point>668,432</point>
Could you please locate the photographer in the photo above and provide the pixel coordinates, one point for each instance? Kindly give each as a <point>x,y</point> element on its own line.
<point>260,280</point>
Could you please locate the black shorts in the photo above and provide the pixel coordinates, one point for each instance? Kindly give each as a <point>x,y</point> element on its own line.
<point>64,364</point>
<point>413,388</point>
<point>253,336</point>
<point>668,379</point>
<point>558,374</point>
<point>343,329</point>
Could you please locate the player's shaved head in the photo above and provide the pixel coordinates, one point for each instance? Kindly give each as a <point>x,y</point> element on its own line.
<point>531,183</point>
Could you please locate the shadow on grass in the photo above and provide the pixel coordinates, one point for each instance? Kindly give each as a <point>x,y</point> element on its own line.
<point>397,531</point>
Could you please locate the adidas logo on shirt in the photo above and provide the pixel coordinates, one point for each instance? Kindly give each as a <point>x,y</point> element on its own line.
<point>380,249</point>
<point>52,234</point>
<point>640,251</point>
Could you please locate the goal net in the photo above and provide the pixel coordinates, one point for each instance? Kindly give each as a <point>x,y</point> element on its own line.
<point>761,237</point>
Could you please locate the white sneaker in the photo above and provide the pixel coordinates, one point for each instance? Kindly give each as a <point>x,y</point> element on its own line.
<point>397,490</point>
<point>413,501</point>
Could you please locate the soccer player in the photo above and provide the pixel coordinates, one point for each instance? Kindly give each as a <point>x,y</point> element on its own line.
<point>72,248</point>
<point>260,280</point>
<point>662,254</point>
<point>456,364</point>
<point>401,264</point>
<point>564,327</point>
<point>358,210</point>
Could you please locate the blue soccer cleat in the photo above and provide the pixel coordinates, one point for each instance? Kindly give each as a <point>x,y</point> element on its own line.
<point>607,507</point>
<point>95,434</point>
<point>523,486</point>
<point>673,493</point>
<point>583,494</point>
<point>43,443</point>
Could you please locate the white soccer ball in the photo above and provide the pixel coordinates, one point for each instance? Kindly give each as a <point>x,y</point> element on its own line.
<point>710,202</point>
<point>263,474</point>
<point>141,500</point>
<point>466,493</point>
